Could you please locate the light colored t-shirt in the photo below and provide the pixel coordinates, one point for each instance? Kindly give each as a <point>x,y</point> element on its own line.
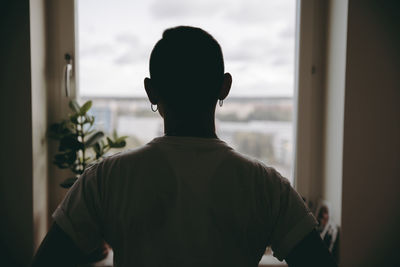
<point>184,201</point>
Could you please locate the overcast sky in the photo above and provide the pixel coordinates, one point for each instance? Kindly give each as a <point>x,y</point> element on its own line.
<point>115,39</point>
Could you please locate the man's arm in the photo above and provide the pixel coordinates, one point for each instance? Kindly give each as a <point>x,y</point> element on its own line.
<point>311,251</point>
<point>58,249</point>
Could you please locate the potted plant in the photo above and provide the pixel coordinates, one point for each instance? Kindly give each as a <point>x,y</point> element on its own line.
<point>80,144</point>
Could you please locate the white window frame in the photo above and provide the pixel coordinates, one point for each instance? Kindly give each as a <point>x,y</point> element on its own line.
<point>310,65</point>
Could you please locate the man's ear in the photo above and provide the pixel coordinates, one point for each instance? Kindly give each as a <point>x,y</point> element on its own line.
<point>226,86</point>
<point>151,91</point>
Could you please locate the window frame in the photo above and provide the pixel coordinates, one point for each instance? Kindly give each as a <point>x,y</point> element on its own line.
<point>307,162</point>
<point>60,28</point>
<point>310,68</point>
<point>307,130</point>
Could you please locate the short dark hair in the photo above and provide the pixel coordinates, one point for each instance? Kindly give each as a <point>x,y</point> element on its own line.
<point>187,66</point>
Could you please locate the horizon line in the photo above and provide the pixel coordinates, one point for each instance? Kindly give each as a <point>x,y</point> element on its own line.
<point>145,98</point>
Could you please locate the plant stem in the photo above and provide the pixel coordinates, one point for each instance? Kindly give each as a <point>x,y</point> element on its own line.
<point>83,144</point>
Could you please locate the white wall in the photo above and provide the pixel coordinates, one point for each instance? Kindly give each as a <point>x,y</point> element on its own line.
<point>39,119</point>
<point>371,143</point>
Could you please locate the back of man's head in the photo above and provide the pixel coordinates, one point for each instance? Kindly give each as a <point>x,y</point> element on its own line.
<point>187,68</point>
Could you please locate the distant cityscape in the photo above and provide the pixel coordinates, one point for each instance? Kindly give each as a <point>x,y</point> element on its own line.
<point>258,127</point>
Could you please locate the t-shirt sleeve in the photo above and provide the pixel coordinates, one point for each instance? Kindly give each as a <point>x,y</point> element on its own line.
<point>80,212</point>
<point>292,220</point>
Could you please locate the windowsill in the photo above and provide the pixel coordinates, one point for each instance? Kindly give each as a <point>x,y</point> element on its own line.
<point>266,261</point>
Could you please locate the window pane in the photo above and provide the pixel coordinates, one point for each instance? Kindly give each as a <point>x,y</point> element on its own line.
<point>115,39</point>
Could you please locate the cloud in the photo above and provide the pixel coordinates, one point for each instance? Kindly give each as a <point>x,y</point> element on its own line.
<point>287,32</point>
<point>134,50</point>
<point>132,56</point>
<point>96,50</point>
<point>163,9</point>
<point>240,54</point>
<point>255,12</point>
<point>129,58</point>
<point>128,39</point>
<point>282,60</point>
<point>256,37</point>
<point>256,49</point>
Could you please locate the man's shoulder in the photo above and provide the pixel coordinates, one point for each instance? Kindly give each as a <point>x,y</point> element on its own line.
<point>126,161</point>
<point>242,162</point>
<point>139,152</point>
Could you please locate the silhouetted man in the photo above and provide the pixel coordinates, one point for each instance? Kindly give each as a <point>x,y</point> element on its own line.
<point>186,198</point>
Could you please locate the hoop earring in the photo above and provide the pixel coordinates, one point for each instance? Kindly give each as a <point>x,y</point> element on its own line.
<point>154,109</point>
<point>221,102</point>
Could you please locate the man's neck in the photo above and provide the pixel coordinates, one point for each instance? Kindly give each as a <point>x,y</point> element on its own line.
<point>197,126</point>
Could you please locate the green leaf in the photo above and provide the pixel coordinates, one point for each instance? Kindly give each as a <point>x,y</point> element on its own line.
<point>94,138</point>
<point>118,144</point>
<point>60,161</point>
<point>67,183</point>
<point>120,139</point>
<point>74,118</point>
<point>65,160</point>
<point>67,127</point>
<point>85,107</point>
<point>70,142</point>
<point>89,132</point>
<point>58,130</point>
<point>71,157</point>
<point>109,141</point>
<point>97,148</point>
<point>73,105</point>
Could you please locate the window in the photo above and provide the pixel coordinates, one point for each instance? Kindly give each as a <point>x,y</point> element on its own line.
<point>268,19</point>
<point>115,39</point>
